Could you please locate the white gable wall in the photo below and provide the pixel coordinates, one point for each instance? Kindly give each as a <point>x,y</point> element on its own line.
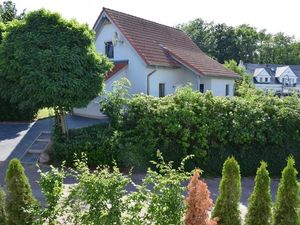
<point>124,51</point>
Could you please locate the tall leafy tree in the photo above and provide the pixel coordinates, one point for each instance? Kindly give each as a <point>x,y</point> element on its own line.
<point>246,42</point>
<point>260,201</point>
<point>8,12</point>
<point>202,35</point>
<point>47,61</point>
<point>226,43</point>
<point>19,199</point>
<point>227,204</point>
<point>287,198</point>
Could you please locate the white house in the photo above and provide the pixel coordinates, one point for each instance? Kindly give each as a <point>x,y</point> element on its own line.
<point>155,58</point>
<point>281,79</point>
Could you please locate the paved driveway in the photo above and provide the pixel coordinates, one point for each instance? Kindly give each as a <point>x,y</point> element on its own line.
<point>15,138</point>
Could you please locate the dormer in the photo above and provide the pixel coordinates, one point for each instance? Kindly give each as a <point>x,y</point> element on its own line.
<point>285,75</point>
<point>261,75</point>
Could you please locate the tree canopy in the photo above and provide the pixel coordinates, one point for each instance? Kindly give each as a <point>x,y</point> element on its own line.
<point>8,12</point>
<point>243,42</point>
<point>47,61</point>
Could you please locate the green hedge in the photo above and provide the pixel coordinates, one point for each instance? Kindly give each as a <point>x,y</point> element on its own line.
<point>252,129</point>
<point>9,112</point>
<point>95,141</point>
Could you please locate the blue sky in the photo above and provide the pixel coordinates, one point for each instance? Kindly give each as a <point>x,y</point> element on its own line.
<point>274,15</point>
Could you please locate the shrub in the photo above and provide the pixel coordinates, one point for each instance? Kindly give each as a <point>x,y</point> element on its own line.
<point>51,183</point>
<point>251,128</point>
<point>198,202</point>
<point>287,198</point>
<point>2,208</point>
<point>159,199</point>
<point>95,141</point>
<point>260,201</point>
<point>98,196</point>
<point>19,199</point>
<point>227,204</point>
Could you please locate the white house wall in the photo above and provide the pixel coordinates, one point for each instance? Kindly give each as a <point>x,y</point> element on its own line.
<point>172,78</point>
<point>124,51</point>
<point>218,86</point>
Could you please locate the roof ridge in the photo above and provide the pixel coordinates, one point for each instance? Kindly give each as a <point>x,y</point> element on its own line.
<point>127,14</point>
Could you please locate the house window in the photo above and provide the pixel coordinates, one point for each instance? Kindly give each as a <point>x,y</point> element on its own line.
<point>227,90</point>
<point>260,80</point>
<point>201,88</point>
<point>109,49</point>
<point>266,79</point>
<point>161,90</point>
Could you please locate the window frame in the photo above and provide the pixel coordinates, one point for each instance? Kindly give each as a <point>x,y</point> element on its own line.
<point>227,89</point>
<point>109,49</point>
<point>161,90</point>
<point>201,88</point>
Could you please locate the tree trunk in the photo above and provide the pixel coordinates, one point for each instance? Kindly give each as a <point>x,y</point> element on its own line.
<point>62,123</point>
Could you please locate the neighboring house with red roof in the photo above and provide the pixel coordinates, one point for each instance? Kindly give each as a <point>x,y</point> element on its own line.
<point>155,58</point>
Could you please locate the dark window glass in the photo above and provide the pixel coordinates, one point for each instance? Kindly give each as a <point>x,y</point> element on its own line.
<point>161,90</point>
<point>266,79</point>
<point>227,90</point>
<point>109,49</point>
<point>201,88</point>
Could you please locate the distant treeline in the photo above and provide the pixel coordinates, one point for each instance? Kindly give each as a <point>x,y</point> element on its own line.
<point>243,42</point>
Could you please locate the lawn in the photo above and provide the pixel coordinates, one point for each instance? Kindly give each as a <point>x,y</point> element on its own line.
<point>45,113</point>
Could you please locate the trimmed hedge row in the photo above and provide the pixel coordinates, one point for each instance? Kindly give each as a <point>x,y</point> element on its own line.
<point>95,142</point>
<point>10,112</point>
<point>251,128</point>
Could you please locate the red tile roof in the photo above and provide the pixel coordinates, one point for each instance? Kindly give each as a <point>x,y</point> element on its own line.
<point>118,66</point>
<point>162,45</point>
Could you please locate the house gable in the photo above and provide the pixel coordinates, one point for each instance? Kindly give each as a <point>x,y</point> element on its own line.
<point>262,76</point>
<point>285,74</point>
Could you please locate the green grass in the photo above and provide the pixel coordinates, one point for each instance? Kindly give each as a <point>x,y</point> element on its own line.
<point>45,113</point>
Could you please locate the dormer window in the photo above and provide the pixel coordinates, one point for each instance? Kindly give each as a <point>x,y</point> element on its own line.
<point>260,79</point>
<point>109,49</point>
<point>266,79</point>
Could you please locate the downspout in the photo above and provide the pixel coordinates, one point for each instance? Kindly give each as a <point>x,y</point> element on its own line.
<point>148,79</point>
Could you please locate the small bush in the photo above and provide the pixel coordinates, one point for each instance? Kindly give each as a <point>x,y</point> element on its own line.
<point>19,199</point>
<point>95,141</point>
<point>227,204</point>
<point>260,201</point>
<point>2,208</point>
<point>199,202</point>
<point>98,198</point>
<point>287,198</point>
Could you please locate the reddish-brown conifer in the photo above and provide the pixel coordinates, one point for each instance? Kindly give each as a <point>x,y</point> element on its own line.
<point>199,203</point>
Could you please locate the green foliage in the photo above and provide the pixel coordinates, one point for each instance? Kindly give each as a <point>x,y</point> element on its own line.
<point>227,204</point>
<point>243,87</point>
<point>260,202</point>
<point>2,208</point>
<point>8,12</point>
<point>19,199</point>
<point>252,128</point>
<point>163,203</point>
<point>287,198</point>
<point>98,198</point>
<point>10,112</point>
<point>51,183</point>
<point>113,103</point>
<point>96,142</point>
<point>48,61</point>
<point>243,42</point>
